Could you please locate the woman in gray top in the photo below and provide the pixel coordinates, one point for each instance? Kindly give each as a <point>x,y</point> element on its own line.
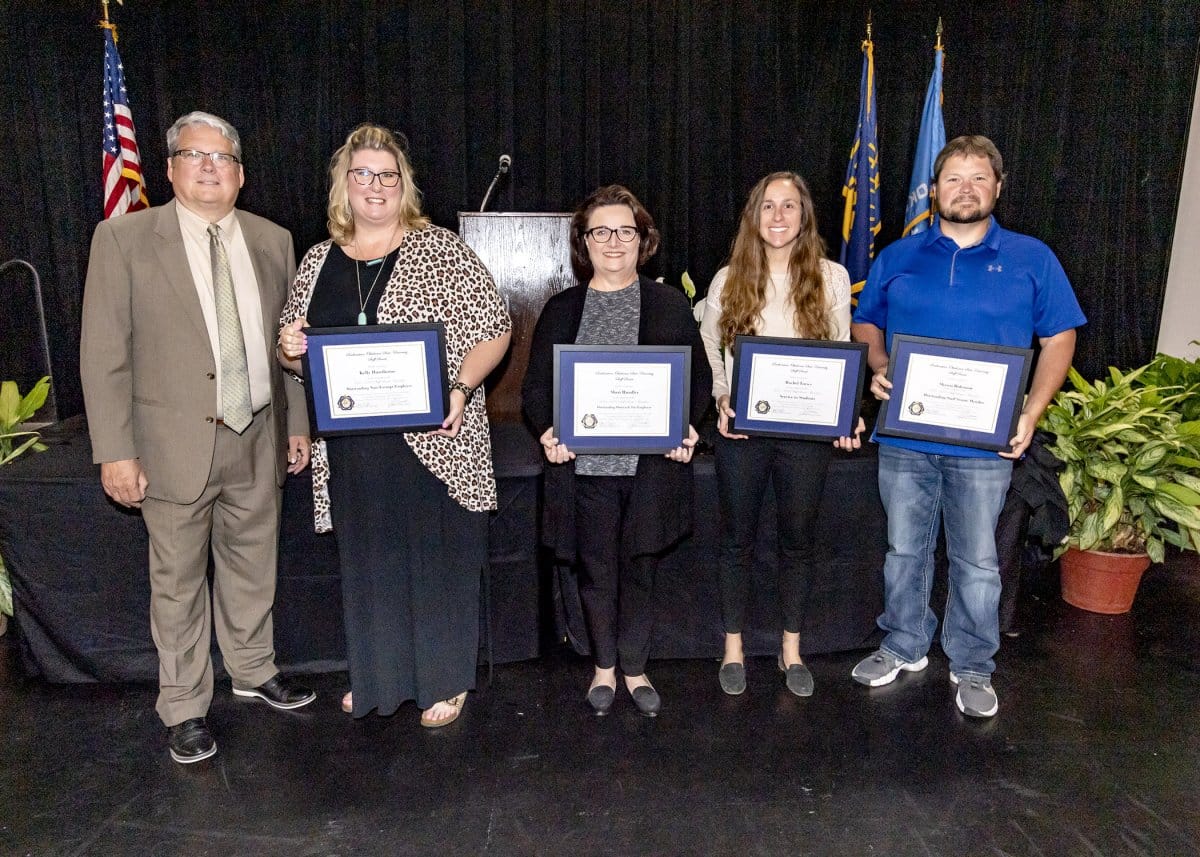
<point>614,515</point>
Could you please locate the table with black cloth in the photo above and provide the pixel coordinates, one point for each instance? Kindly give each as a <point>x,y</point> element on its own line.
<point>78,564</point>
<point>82,592</point>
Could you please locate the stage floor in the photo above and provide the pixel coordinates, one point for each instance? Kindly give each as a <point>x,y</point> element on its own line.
<point>1094,752</point>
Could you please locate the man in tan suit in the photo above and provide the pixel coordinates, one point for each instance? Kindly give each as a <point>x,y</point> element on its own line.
<point>192,420</point>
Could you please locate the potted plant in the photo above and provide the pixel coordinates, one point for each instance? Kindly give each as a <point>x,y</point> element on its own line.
<point>1131,449</point>
<point>15,440</point>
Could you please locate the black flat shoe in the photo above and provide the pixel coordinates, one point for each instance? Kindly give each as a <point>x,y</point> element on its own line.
<point>647,700</point>
<point>600,698</point>
<point>733,678</point>
<point>799,679</point>
<point>190,741</point>
<point>278,692</point>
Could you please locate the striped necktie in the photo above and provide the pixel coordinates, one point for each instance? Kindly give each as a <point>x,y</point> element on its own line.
<point>235,376</point>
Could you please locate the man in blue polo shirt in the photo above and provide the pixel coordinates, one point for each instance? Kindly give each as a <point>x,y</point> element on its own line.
<point>968,279</point>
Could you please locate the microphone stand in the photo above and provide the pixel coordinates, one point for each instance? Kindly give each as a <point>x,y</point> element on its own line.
<point>495,180</point>
<point>51,400</point>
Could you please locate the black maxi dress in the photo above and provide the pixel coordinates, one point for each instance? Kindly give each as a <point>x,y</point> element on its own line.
<point>410,556</point>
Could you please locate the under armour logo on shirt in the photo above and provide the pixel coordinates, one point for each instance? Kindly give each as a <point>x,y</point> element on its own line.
<point>995,268</point>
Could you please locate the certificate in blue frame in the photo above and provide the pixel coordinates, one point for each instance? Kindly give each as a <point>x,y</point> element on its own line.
<point>836,369</point>
<point>943,390</point>
<point>660,395</point>
<point>345,396</point>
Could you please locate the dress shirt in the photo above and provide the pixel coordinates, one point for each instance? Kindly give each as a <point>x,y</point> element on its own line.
<point>245,286</point>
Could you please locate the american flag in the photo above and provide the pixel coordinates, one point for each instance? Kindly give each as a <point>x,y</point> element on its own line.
<point>124,188</point>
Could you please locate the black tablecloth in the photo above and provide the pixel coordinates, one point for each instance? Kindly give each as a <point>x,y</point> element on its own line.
<point>78,564</point>
<point>82,594</point>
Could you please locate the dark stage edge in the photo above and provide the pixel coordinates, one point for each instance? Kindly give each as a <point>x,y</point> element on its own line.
<point>1095,751</point>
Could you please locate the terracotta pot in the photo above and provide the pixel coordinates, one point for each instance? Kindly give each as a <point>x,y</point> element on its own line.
<point>1101,582</point>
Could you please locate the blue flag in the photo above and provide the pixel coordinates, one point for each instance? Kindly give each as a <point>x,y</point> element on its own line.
<point>860,221</point>
<point>931,140</point>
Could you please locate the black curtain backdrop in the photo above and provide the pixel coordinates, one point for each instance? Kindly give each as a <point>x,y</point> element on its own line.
<point>688,103</point>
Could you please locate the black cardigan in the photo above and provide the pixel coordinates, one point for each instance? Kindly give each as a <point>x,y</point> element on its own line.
<point>662,497</point>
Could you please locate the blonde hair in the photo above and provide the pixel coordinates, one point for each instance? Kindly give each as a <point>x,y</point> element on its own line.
<point>745,291</point>
<point>368,136</point>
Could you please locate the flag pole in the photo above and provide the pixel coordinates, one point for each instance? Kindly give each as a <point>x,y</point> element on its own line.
<point>938,46</point>
<point>107,24</point>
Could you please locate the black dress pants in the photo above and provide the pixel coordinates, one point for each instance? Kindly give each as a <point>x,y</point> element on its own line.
<point>616,588</point>
<point>796,470</point>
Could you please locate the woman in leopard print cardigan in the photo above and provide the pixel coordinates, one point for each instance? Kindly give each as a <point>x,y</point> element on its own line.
<point>409,510</point>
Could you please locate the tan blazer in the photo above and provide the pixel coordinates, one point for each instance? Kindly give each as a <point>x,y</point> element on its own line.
<point>148,370</point>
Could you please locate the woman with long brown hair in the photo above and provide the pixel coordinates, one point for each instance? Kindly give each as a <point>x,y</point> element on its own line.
<point>778,283</point>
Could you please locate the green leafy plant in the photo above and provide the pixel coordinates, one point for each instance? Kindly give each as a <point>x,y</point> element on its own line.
<point>15,410</point>
<point>1132,474</point>
<point>1167,371</point>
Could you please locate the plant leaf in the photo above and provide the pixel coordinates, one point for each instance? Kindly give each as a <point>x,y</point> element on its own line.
<point>20,449</point>
<point>1156,549</point>
<point>1181,493</point>
<point>1113,507</point>
<point>1188,516</point>
<point>10,400</point>
<point>1108,471</point>
<point>34,399</point>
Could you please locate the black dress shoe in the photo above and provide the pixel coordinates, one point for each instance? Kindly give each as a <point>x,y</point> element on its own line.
<point>278,692</point>
<point>733,678</point>
<point>190,741</point>
<point>799,680</point>
<point>600,698</point>
<point>647,700</point>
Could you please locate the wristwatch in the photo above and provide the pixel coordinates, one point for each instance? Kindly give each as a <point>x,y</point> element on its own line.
<point>464,388</point>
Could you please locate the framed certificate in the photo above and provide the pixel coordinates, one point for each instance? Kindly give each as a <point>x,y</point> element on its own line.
<point>962,393</point>
<point>621,398</point>
<point>376,378</point>
<point>796,388</point>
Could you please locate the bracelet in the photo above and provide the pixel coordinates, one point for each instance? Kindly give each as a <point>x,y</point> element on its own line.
<point>464,388</point>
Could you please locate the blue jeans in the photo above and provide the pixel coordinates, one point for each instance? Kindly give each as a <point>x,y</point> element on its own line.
<point>917,490</point>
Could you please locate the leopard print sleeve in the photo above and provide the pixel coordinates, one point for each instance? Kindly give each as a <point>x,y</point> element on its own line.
<point>439,278</point>
<point>296,307</point>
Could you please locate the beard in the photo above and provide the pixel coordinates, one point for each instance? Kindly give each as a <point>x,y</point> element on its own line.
<point>966,211</point>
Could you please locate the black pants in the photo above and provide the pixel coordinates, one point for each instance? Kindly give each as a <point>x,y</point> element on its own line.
<point>616,588</point>
<point>796,469</point>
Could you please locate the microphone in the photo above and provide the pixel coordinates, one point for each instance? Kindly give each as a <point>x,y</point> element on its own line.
<point>505,165</point>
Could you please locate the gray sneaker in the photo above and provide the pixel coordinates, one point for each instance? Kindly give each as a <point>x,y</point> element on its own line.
<point>882,668</point>
<point>975,697</point>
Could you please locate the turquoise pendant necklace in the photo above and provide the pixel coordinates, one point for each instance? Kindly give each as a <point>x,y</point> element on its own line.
<point>362,302</point>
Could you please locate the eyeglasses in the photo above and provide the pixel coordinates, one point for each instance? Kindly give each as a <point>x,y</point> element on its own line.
<point>387,178</point>
<point>601,234</point>
<point>195,157</point>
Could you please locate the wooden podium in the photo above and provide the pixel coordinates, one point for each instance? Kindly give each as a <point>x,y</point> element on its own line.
<point>529,256</point>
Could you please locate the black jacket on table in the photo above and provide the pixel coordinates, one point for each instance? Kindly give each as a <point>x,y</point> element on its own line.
<point>662,498</point>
